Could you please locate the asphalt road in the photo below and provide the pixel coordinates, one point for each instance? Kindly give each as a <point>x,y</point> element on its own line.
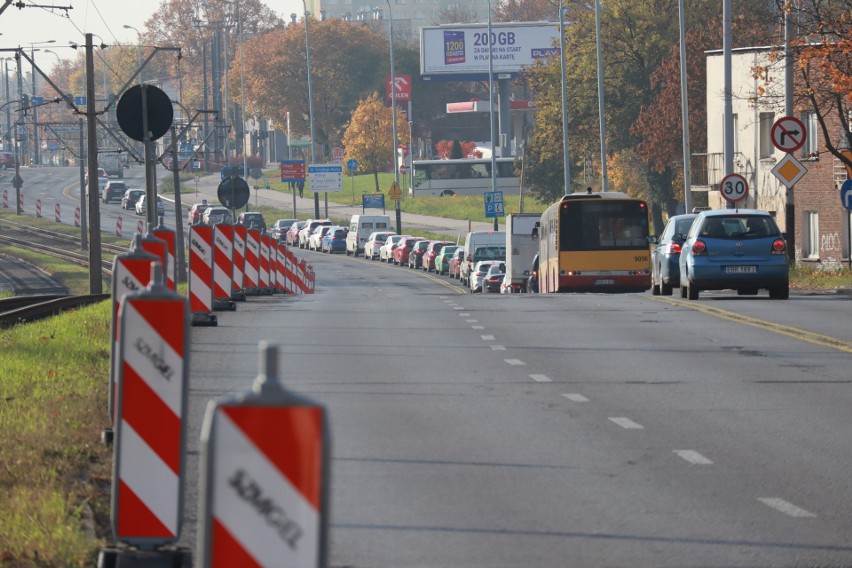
<point>563,430</point>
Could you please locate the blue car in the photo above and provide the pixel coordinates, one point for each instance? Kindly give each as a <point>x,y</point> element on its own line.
<point>741,250</point>
<point>334,240</point>
<point>665,256</point>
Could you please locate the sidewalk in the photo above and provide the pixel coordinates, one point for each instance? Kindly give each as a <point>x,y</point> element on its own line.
<point>208,185</point>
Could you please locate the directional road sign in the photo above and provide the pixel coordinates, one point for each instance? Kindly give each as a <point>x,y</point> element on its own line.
<point>846,194</point>
<point>734,188</point>
<point>325,177</point>
<point>36,101</point>
<point>788,134</point>
<point>79,101</point>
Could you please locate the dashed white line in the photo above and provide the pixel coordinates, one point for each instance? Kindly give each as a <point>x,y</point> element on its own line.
<point>514,361</point>
<point>786,507</point>
<point>498,347</point>
<point>626,423</point>
<point>472,321</point>
<point>458,307</point>
<point>465,315</point>
<point>477,327</point>
<point>574,397</point>
<point>487,337</point>
<point>541,378</point>
<point>693,457</point>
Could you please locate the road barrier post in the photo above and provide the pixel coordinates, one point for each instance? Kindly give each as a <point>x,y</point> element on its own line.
<point>57,213</point>
<point>238,290</point>
<point>38,209</point>
<point>157,247</point>
<point>252,268</point>
<point>76,216</point>
<point>167,236</point>
<point>140,226</point>
<point>5,199</point>
<point>281,269</point>
<point>150,439</point>
<point>21,202</point>
<point>201,275</point>
<point>263,265</point>
<point>264,476</point>
<point>223,267</point>
<point>273,264</point>
<point>118,227</point>
<point>289,260</point>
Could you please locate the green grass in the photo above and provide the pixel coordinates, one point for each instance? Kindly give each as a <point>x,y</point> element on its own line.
<point>52,409</point>
<point>805,278</point>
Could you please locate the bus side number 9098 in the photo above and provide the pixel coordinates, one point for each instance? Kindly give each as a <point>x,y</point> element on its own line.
<point>640,259</point>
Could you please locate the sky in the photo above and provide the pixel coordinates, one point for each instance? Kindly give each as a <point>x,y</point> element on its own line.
<point>105,18</point>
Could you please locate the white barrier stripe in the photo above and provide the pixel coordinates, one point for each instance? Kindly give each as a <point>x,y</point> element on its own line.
<point>149,477</point>
<point>262,540</point>
<point>141,337</point>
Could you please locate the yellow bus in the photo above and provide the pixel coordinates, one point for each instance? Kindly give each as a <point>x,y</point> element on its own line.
<point>595,242</point>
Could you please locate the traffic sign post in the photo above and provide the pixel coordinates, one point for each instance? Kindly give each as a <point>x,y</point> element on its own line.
<point>788,134</point>
<point>734,188</point>
<point>264,476</point>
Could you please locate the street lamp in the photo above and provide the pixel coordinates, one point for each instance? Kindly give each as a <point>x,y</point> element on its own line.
<point>566,167</point>
<point>491,114</point>
<point>602,117</point>
<point>138,50</point>
<point>310,98</point>
<point>36,144</point>
<point>393,118</point>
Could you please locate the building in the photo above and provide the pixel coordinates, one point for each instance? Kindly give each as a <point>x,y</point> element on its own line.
<point>816,224</point>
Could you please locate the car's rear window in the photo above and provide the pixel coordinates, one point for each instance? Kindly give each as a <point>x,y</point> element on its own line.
<point>739,227</point>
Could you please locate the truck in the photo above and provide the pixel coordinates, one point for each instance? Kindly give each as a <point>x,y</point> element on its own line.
<point>521,248</point>
<point>110,161</point>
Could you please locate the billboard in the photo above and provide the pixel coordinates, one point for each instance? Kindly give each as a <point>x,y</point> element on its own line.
<point>463,49</point>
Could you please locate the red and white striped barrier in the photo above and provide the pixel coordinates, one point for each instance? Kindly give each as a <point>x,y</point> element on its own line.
<point>5,199</point>
<point>21,201</point>
<point>131,273</point>
<point>167,236</point>
<point>311,279</point>
<point>289,261</point>
<point>157,247</point>
<point>239,260</point>
<point>38,208</point>
<point>301,272</point>
<point>223,261</point>
<point>140,226</point>
<point>263,265</point>
<point>252,267</point>
<point>281,269</point>
<point>150,441</point>
<point>118,226</point>
<point>57,213</point>
<point>76,216</point>
<point>201,269</point>
<point>265,469</point>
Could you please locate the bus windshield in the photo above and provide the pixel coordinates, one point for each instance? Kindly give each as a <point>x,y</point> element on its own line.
<point>603,225</point>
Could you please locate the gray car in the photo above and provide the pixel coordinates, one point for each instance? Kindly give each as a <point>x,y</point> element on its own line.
<point>665,256</point>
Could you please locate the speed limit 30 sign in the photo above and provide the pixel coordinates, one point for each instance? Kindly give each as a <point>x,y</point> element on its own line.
<point>734,187</point>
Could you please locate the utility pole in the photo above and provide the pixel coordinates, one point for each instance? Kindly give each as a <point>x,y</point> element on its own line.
<point>95,280</point>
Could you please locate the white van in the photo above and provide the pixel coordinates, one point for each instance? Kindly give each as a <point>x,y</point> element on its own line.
<point>481,245</point>
<point>360,228</point>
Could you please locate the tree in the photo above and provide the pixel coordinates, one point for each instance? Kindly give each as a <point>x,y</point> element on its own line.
<point>368,137</point>
<point>526,10</point>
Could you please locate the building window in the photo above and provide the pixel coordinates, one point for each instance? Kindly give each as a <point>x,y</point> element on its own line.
<point>810,242</point>
<point>809,150</point>
<point>767,149</point>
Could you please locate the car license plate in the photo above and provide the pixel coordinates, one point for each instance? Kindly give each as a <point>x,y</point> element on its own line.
<point>604,282</point>
<point>740,269</point>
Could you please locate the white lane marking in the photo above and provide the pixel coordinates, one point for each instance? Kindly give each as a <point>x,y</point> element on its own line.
<point>626,423</point>
<point>487,337</point>
<point>574,397</point>
<point>465,315</point>
<point>477,327</point>
<point>472,321</point>
<point>693,457</point>
<point>541,378</point>
<point>514,361</point>
<point>786,507</point>
<point>498,347</point>
<point>458,307</point>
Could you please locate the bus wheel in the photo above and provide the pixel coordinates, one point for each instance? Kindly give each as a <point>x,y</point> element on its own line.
<point>447,193</point>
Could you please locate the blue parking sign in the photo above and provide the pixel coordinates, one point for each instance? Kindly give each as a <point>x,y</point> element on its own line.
<point>493,204</point>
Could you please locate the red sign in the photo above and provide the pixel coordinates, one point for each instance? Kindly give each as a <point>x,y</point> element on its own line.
<point>403,87</point>
<point>292,170</point>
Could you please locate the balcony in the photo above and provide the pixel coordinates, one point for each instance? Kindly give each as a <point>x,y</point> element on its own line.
<point>707,170</point>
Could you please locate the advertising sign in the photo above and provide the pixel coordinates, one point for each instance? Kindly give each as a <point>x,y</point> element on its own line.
<point>463,49</point>
<point>403,87</point>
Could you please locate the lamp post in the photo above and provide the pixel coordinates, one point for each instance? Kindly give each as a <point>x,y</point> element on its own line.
<point>197,23</point>
<point>138,49</point>
<point>491,114</point>
<point>8,134</point>
<point>36,144</point>
<point>601,105</point>
<point>566,168</point>
<point>395,144</point>
<point>310,98</point>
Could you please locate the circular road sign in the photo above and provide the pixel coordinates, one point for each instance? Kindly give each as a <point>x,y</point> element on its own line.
<point>734,188</point>
<point>128,112</point>
<point>352,165</point>
<point>233,192</point>
<point>788,134</point>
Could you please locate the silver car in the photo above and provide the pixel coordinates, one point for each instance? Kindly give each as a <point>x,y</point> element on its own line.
<point>217,215</point>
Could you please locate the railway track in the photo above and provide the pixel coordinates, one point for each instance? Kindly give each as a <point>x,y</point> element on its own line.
<point>22,309</point>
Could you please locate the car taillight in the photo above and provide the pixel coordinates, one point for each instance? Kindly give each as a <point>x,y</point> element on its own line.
<point>779,247</point>
<point>674,248</point>
<point>699,248</point>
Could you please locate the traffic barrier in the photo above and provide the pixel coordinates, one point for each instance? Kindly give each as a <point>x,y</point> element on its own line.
<point>252,267</point>
<point>237,286</point>
<point>167,236</point>
<point>300,271</point>
<point>21,202</point>
<point>273,265</point>
<point>131,272</point>
<point>150,440</point>
<point>223,266</point>
<point>76,216</point>
<point>118,227</point>
<point>5,199</point>
<point>57,213</point>
<point>265,473</point>
<point>157,247</point>
<point>311,279</point>
<point>263,265</point>
<point>280,269</point>
<point>289,260</point>
<point>201,275</point>
<point>38,209</point>
<point>140,226</point>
